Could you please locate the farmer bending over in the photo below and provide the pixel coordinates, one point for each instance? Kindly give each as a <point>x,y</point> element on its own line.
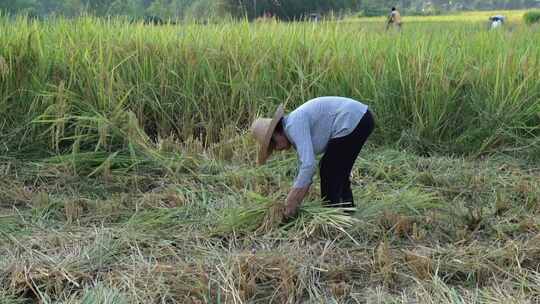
<point>335,126</point>
<point>496,21</point>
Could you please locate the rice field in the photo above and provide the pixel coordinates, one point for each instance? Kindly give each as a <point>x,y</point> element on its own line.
<point>127,174</point>
<point>513,16</point>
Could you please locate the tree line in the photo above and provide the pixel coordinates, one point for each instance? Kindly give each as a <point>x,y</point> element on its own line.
<point>282,9</point>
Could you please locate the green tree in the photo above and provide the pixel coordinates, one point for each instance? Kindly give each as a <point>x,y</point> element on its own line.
<point>204,10</point>
<point>132,8</point>
<point>284,9</point>
<point>73,7</point>
<point>288,9</point>
<point>19,6</point>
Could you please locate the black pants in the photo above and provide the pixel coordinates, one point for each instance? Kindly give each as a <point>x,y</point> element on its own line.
<point>337,163</point>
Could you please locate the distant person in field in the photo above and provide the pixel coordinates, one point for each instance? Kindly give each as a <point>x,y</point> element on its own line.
<point>335,126</point>
<point>496,21</point>
<point>394,19</point>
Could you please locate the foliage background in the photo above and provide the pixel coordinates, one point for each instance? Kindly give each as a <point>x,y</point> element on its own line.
<point>290,9</point>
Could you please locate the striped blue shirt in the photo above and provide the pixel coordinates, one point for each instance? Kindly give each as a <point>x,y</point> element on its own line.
<point>310,127</point>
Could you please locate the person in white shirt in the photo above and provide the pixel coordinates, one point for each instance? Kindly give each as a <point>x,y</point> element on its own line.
<point>496,21</point>
<point>335,126</point>
<point>394,19</point>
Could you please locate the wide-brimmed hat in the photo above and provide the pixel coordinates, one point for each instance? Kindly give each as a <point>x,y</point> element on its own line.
<point>262,130</point>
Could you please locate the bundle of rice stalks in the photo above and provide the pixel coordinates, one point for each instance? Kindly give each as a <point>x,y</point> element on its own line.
<point>407,201</point>
<point>265,214</point>
<point>315,219</point>
<point>259,215</point>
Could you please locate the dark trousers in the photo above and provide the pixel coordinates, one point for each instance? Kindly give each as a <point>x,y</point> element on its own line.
<point>337,163</point>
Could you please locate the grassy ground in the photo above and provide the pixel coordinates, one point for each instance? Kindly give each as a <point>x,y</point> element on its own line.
<point>428,229</point>
<point>126,175</point>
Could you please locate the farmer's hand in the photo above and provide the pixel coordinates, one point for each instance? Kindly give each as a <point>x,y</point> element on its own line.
<point>291,210</point>
<point>294,200</point>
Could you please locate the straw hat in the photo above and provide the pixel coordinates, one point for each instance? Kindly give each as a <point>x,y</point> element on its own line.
<point>262,130</point>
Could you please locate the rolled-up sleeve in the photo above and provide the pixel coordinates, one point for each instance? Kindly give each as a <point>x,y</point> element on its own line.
<point>299,132</point>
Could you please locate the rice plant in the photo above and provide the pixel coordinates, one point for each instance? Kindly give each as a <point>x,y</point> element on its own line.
<point>94,85</point>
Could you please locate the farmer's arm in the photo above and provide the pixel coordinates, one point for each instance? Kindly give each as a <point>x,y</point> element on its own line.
<point>300,133</point>
<point>390,20</point>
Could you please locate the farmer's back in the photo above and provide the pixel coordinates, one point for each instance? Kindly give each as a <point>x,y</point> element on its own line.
<point>324,118</point>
